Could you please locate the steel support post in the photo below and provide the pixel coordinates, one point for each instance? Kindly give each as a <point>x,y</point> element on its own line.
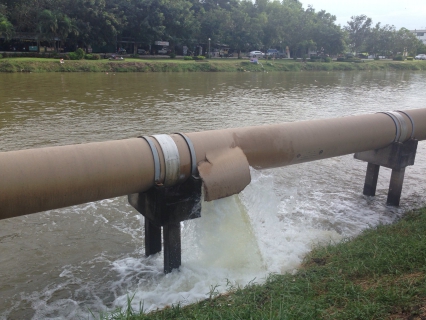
<point>152,238</point>
<point>395,186</point>
<point>397,156</point>
<point>172,247</point>
<point>167,207</point>
<point>371,177</point>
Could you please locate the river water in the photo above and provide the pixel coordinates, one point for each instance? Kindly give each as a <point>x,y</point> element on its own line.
<point>67,263</point>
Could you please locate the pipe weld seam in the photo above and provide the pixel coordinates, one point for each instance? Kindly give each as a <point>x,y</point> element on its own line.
<point>171,159</point>
<point>412,122</point>
<point>194,171</point>
<point>156,158</point>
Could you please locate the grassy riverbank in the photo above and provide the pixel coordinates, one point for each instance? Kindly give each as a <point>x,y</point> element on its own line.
<point>180,65</point>
<point>378,275</point>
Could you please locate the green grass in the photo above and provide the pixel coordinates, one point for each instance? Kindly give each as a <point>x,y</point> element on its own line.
<point>180,65</point>
<point>378,275</point>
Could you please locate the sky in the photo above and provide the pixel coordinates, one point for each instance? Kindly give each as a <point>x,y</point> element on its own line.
<point>402,14</point>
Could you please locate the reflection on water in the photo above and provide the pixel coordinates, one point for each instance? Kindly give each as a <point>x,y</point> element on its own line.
<point>60,263</point>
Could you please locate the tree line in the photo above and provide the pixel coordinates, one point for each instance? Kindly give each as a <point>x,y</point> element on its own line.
<point>243,25</point>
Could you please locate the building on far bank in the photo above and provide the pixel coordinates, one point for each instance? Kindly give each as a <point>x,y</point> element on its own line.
<point>420,34</point>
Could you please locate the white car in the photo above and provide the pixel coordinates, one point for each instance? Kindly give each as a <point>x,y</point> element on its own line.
<point>256,54</point>
<point>421,56</point>
<point>163,51</point>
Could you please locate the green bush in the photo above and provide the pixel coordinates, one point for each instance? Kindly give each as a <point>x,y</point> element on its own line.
<point>199,57</point>
<point>327,59</point>
<point>92,57</point>
<point>73,56</point>
<point>398,58</point>
<point>172,55</point>
<point>1,57</point>
<point>410,58</point>
<point>376,58</point>
<point>79,53</point>
<point>188,58</point>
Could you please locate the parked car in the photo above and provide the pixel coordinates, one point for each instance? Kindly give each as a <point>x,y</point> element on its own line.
<point>163,51</point>
<point>274,53</point>
<point>421,56</point>
<point>256,54</point>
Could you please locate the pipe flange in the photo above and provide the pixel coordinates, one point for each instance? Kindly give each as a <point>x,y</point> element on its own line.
<point>412,122</point>
<point>194,170</point>
<point>171,159</point>
<point>403,125</point>
<point>400,125</point>
<point>156,158</point>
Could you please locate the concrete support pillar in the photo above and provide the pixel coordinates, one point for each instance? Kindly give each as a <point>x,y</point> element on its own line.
<point>397,156</point>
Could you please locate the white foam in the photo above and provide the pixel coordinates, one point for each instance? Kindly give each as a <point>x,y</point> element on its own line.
<point>267,228</point>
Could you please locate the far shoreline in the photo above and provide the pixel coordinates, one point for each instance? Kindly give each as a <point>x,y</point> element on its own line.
<point>163,64</point>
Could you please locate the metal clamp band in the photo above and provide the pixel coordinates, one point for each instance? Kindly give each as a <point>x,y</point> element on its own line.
<point>397,125</point>
<point>171,158</point>
<point>412,123</point>
<point>403,125</point>
<point>156,158</point>
<point>192,153</point>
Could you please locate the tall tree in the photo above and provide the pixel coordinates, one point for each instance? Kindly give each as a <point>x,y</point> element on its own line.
<point>381,40</point>
<point>358,30</point>
<point>48,26</point>
<point>6,27</point>
<point>405,42</point>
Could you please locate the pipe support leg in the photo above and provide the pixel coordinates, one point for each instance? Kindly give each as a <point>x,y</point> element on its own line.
<point>152,238</point>
<point>371,177</point>
<point>395,187</point>
<point>172,247</point>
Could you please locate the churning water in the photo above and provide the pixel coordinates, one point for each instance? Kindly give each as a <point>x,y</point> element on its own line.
<point>62,263</point>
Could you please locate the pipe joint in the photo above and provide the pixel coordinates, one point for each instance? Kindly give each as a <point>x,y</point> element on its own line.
<point>194,170</point>
<point>156,159</point>
<point>171,159</point>
<point>401,126</point>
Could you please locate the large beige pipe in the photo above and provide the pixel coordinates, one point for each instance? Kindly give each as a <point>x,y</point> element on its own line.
<point>47,178</point>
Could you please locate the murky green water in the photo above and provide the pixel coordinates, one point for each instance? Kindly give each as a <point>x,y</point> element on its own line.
<point>57,264</point>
